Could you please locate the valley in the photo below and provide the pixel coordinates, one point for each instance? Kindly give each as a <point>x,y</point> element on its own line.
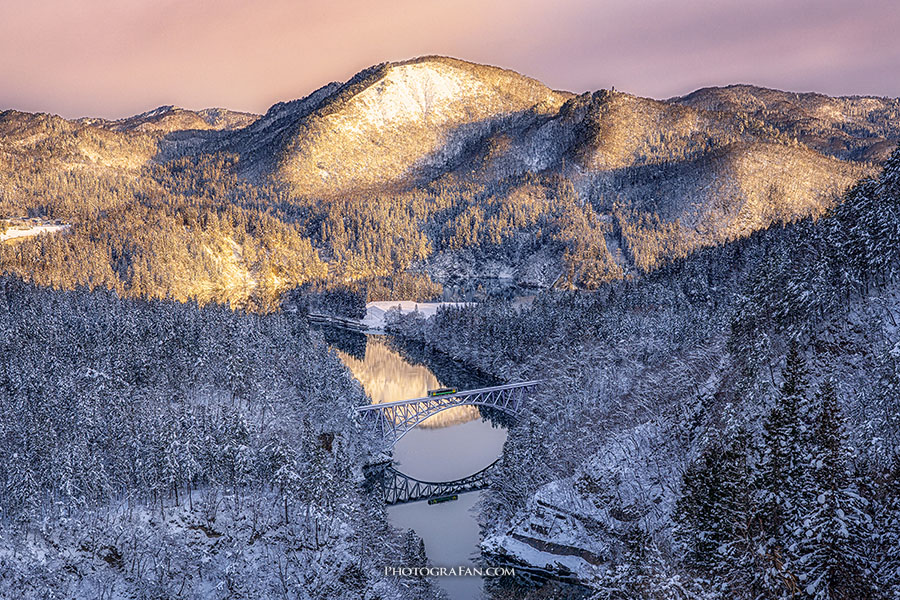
<point>706,286</point>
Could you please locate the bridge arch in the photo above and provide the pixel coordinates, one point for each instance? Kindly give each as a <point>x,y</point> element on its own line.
<point>399,488</point>
<point>425,414</point>
<point>393,420</point>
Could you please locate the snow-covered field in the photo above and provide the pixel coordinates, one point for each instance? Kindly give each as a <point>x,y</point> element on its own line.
<point>31,229</point>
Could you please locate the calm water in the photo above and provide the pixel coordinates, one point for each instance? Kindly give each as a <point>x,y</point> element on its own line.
<point>450,445</point>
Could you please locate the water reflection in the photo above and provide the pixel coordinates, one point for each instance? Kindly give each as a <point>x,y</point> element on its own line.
<point>390,370</point>
<point>386,377</point>
<point>450,531</point>
<point>451,537</point>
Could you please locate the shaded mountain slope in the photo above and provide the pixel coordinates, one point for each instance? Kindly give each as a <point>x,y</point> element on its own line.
<point>671,178</point>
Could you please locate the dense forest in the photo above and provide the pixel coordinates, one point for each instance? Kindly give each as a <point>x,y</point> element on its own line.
<point>191,229</point>
<point>155,449</point>
<point>734,414</point>
<point>501,183</point>
<point>194,230</point>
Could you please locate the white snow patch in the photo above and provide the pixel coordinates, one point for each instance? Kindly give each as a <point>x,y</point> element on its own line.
<point>376,311</point>
<point>31,229</point>
<point>419,92</point>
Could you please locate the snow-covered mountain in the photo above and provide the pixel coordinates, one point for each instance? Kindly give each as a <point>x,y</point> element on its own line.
<point>434,165</point>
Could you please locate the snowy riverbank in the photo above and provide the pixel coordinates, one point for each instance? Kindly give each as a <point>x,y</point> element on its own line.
<point>377,311</point>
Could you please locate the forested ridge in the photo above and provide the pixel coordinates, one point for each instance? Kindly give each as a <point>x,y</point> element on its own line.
<point>427,178</point>
<point>724,427</point>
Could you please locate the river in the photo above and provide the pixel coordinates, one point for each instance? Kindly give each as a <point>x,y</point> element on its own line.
<point>450,445</point>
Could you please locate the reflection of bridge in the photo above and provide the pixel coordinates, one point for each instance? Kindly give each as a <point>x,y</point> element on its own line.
<point>393,420</point>
<point>398,488</point>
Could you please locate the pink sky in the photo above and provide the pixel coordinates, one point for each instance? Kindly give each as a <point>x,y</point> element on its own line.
<point>114,58</point>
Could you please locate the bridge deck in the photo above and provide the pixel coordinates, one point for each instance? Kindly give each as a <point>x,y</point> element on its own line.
<point>496,388</point>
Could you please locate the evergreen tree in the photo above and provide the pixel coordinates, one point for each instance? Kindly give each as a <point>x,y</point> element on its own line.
<point>779,485</point>
<point>884,491</point>
<point>641,573</point>
<point>413,550</point>
<point>837,528</point>
<point>713,512</point>
<point>285,474</point>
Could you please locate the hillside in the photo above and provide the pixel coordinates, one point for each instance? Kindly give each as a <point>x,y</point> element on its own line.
<point>167,119</point>
<point>421,176</point>
<point>156,449</point>
<point>54,143</point>
<point>725,427</point>
<point>848,127</point>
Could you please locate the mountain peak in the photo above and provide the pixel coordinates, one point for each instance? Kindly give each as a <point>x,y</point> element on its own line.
<point>156,112</point>
<point>397,118</point>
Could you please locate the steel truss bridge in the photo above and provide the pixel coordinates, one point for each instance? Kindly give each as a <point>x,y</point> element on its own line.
<point>393,420</point>
<point>398,488</point>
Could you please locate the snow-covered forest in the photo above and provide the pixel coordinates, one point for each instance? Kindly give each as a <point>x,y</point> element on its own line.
<point>716,293</point>
<point>153,449</point>
<point>722,427</point>
<point>725,427</point>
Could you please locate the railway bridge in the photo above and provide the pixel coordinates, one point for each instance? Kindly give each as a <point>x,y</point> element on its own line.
<point>393,420</point>
<point>399,488</point>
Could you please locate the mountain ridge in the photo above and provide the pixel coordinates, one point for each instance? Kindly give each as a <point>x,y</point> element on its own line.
<point>808,115</point>
<point>423,169</point>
